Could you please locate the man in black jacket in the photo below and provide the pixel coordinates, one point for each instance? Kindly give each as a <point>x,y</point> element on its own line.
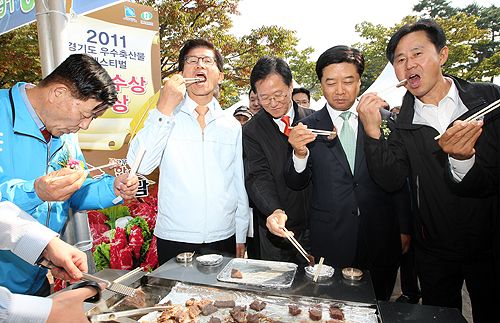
<point>454,234</point>
<point>265,148</point>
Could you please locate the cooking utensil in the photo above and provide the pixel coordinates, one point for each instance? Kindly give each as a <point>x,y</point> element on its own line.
<point>111,316</point>
<point>114,287</point>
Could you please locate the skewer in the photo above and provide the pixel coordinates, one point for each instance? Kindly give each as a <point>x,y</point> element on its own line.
<point>392,87</point>
<point>138,158</point>
<point>319,269</point>
<point>88,170</point>
<point>294,242</point>
<point>320,132</point>
<point>481,113</point>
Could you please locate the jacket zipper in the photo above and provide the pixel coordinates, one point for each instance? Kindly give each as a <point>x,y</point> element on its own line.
<point>204,182</point>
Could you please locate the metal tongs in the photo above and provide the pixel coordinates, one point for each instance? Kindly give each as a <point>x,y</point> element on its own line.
<point>111,316</point>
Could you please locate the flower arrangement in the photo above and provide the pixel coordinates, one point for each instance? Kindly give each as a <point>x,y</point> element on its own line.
<point>69,162</point>
<point>386,131</point>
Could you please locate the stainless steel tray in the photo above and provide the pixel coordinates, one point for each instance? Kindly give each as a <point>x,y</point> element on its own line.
<point>260,273</point>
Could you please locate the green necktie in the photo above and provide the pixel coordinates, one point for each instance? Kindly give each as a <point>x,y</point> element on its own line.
<point>348,139</point>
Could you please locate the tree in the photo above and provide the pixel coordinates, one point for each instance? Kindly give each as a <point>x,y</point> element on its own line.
<point>181,20</point>
<point>304,71</point>
<point>19,57</point>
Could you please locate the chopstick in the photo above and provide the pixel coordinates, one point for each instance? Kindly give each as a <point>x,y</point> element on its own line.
<point>392,87</point>
<point>481,113</point>
<point>88,170</point>
<point>319,269</point>
<point>294,242</point>
<point>320,132</point>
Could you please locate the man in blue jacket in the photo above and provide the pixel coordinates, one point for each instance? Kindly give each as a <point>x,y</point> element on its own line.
<point>202,202</point>
<point>38,126</point>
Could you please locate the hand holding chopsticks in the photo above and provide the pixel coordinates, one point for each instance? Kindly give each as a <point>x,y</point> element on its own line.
<point>296,244</point>
<point>480,114</point>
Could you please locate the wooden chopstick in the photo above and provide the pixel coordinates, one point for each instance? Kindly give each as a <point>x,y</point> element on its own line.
<point>320,132</point>
<point>88,170</point>
<point>318,270</point>
<point>294,242</point>
<point>392,87</point>
<point>481,113</point>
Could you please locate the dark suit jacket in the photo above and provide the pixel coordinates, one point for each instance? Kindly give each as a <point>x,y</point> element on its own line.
<point>337,196</point>
<point>265,150</point>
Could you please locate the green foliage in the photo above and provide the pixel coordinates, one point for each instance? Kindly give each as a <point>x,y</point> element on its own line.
<point>19,57</point>
<point>115,212</point>
<point>102,256</point>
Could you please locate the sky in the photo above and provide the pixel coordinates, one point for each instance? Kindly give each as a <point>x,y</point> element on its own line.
<point>321,24</point>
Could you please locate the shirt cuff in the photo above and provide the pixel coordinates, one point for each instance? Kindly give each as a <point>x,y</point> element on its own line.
<point>29,309</point>
<point>298,163</point>
<point>31,245</point>
<point>460,168</point>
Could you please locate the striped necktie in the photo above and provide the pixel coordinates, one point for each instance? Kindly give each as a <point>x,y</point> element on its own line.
<point>348,139</point>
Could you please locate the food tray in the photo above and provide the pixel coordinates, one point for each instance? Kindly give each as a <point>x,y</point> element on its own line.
<point>276,308</point>
<point>260,273</point>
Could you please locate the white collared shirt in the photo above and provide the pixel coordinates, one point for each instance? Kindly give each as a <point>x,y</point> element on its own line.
<point>290,113</point>
<point>301,164</point>
<point>191,108</point>
<point>439,117</point>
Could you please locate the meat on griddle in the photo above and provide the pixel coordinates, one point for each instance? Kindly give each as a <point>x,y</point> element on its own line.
<point>336,313</point>
<point>253,318</point>
<point>258,306</point>
<point>214,319</point>
<point>238,314</point>
<point>138,298</point>
<point>224,304</point>
<point>294,309</point>
<point>315,314</point>
<point>208,309</point>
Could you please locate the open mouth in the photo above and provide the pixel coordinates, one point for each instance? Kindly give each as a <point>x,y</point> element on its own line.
<point>414,80</point>
<point>202,78</point>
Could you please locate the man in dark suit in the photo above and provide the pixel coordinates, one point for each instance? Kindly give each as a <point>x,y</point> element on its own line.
<point>353,221</point>
<point>265,147</point>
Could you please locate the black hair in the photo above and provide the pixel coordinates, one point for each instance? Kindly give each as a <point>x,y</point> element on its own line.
<point>435,34</point>
<point>268,65</point>
<point>86,79</point>
<point>340,54</point>
<point>302,90</point>
<point>200,42</point>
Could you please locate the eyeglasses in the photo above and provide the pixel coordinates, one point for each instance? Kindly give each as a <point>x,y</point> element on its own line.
<point>301,102</point>
<point>277,98</point>
<point>193,60</point>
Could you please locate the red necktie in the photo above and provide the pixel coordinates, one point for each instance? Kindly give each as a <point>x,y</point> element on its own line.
<point>286,120</point>
<point>46,134</point>
<point>201,118</point>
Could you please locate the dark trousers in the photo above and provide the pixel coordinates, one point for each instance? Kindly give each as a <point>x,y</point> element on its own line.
<point>409,280</point>
<point>383,278</point>
<point>276,248</point>
<point>168,249</point>
<point>441,282</point>
<point>253,244</point>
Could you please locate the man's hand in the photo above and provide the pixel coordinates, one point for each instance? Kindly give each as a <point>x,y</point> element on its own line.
<point>276,222</point>
<point>299,137</point>
<point>405,243</point>
<point>126,187</point>
<point>171,95</point>
<point>68,306</point>
<point>59,185</point>
<point>240,250</point>
<point>459,140</point>
<point>368,110</point>
<point>68,257</point>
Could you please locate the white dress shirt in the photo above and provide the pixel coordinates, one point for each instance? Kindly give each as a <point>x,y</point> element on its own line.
<point>338,122</point>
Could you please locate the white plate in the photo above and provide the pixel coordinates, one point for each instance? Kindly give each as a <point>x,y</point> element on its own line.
<point>210,260</point>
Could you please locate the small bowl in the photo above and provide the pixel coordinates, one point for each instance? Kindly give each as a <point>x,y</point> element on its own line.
<point>325,272</point>
<point>351,273</point>
<point>185,257</point>
<point>210,260</point>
